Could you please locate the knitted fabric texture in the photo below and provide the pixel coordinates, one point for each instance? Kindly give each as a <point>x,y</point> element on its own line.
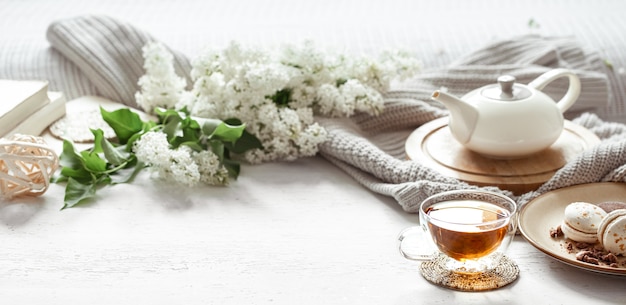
<point>109,53</point>
<point>371,148</point>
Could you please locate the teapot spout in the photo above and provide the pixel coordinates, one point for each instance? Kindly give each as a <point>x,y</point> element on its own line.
<point>463,116</point>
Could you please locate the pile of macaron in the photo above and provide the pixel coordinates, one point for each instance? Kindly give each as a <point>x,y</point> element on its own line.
<point>604,223</point>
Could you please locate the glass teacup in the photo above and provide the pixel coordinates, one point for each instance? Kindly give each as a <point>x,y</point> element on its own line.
<point>466,231</point>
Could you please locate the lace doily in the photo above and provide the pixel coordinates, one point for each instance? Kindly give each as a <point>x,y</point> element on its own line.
<point>76,126</point>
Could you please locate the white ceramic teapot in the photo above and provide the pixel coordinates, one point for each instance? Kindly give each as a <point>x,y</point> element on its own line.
<point>510,120</point>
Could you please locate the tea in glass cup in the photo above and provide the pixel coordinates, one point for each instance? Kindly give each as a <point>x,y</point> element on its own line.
<point>467,230</point>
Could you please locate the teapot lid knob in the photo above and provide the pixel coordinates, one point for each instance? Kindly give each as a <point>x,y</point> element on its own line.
<point>506,90</point>
<point>506,85</point>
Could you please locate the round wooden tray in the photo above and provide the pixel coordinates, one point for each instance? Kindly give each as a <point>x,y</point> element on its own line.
<point>433,145</point>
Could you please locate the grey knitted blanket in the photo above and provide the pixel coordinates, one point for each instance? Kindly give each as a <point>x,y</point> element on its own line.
<point>371,148</point>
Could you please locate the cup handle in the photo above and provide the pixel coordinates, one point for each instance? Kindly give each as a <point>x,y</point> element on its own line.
<point>572,92</point>
<point>414,237</point>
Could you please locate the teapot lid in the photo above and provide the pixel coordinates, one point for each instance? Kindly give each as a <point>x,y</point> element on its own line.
<point>506,90</point>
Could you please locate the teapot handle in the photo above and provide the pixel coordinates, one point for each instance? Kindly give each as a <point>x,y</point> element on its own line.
<point>572,92</point>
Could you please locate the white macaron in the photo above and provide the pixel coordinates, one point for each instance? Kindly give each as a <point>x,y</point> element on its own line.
<point>581,221</point>
<point>612,232</point>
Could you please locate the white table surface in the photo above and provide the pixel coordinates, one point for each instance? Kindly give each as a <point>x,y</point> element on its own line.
<point>284,233</point>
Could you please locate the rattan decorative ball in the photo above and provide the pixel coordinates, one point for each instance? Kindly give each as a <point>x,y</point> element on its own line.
<point>26,165</point>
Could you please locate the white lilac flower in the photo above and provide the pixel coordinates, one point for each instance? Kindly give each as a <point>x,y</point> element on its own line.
<point>305,115</point>
<point>303,96</point>
<point>265,79</point>
<point>160,86</point>
<point>364,98</point>
<point>181,165</point>
<point>210,169</point>
<point>152,148</point>
<point>277,94</point>
<point>331,102</point>
<point>400,64</point>
<point>310,139</point>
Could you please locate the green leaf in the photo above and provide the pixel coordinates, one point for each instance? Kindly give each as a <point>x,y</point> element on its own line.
<point>69,157</point>
<point>124,123</point>
<point>189,122</point>
<point>282,97</point>
<point>165,115</point>
<point>194,146</point>
<point>126,175</point>
<point>228,133</point>
<point>98,136</point>
<point>217,148</point>
<point>58,178</point>
<point>171,126</point>
<point>80,174</point>
<point>93,162</point>
<point>112,154</point>
<point>131,141</point>
<point>247,142</point>
<point>208,125</point>
<point>190,135</point>
<point>108,162</point>
<point>76,192</point>
<point>72,163</point>
<point>232,167</point>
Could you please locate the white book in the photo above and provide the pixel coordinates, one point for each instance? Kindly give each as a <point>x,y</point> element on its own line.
<point>39,121</point>
<point>19,99</point>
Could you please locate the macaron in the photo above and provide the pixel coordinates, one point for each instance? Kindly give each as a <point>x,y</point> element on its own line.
<point>581,222</point>
<point>612,232</point>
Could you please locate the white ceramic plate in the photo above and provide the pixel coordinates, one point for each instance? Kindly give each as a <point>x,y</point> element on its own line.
<point>546,212</point>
